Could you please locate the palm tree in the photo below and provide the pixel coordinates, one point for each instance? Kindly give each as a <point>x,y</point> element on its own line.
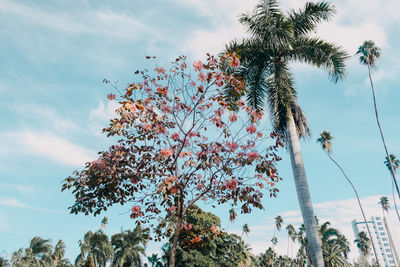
<point>232,214</point>
<point>129,246</point>
<point>291,235</point>
<point>325,140</point>
<point>395,164</point>
<point>267,259</point>
<point>277,39</point>
<point>278,227</point>
<point>95,248</point>
<point>369,53</point>
<point>363,244</point>
<point>245,229</point>
<point>154,260</point>
<point>384,203</point>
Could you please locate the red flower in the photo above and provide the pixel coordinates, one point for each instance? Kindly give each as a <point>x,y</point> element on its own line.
<point>175,136</point>
<point>197,65</point>
<point>233,117</point>
<point>111,96</point>
<point>231,185</point>
<point>251,129</point>
<point>136,209</point>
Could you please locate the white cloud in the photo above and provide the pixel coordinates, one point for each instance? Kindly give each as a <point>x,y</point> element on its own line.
<point>13,202</point>
<point>44,144</point>
<point>56,148</point>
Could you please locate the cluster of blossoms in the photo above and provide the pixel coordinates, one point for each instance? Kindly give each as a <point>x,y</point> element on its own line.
<point>180,142</point>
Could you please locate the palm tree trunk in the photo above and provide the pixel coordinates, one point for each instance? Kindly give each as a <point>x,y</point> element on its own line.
<point>359,204</point>
<point>394,202</point>
<point>303,194</point>
<point>381,132</point>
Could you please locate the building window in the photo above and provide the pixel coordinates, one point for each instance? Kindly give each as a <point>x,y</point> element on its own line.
<point>381,228</point>
<point>379,223</point>
<point>377,218</point>
<point>382,233</point>
<point>384,239</point>
<point>390,256</point>
<point>387,250</point>
<point>386,244</point>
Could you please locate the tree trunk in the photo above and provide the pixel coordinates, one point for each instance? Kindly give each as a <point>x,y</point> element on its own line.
<point>359,204</point>
<point>175,242</point>
<point>381,132</point>
<point>303,194</point>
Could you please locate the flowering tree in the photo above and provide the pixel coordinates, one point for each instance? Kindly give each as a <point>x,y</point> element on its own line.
<point>178,143</point>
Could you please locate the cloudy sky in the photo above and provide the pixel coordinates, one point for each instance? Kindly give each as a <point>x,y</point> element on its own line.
<point>54,55</point>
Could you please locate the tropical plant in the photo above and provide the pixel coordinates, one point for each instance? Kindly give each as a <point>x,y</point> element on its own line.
<point>245,230</point>
<point>363,244</point>
<point>278,39</point>
<point>267,259</point>
<point>369,53</point>
<point>291,236</point>
<point>395,165</point>
<point>325,140</point>
<point>154,260</point>
<point>96,249</point>
<point>278,227</point>
<point>334,246</point>
<point>4,262</point>
<point>129,246</point>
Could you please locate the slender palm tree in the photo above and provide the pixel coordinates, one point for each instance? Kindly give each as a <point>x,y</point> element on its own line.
<point>278,39</point>
<point>129,246</point>
<point>245,229</point>
<point>384,203</point>
<point>291,235</point>
<point>369,53</point>
<point>363,244</point>
<point>395,165</point>
<point>325,140</point>
<point>267,259</point>
<point>278,227</point>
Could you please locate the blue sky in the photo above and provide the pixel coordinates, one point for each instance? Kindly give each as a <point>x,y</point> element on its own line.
<point>54,55</point>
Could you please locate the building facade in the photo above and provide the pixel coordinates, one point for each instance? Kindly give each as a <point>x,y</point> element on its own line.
<point>387,254</point>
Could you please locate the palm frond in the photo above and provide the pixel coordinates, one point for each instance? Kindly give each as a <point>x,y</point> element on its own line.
<point>322,54</point>
<point>306,20</point>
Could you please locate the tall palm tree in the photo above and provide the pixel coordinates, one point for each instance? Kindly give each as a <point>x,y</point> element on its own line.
<point>278,227</point>
<point>395,165</point>
<point>384,203</point>
<point>245,229</point>
<point>291,235</point>
<point>129,246</point>
<point>369,53</point>
<point>325,140</point>
<point>363,244</point>
<point>278,39</point>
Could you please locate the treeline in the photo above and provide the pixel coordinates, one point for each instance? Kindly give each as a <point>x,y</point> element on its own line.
<point>214,248</point>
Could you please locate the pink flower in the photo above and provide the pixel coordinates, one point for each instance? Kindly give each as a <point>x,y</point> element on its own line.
<point>231,185</point>
<point>175,136</point>
<point>111,96</point>
<point>251,129</point>
<point>214,228</point>
<point>136,209</point>
<point>198,66</point>
<point>233,117</point>
<point>252,155</point>
<point>233,146</point>
<point>166,152</point>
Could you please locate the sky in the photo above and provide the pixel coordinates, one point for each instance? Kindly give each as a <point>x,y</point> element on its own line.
<point>55,54</point>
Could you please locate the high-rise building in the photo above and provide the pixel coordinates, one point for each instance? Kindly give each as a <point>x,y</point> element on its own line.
<point>385,248</point>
